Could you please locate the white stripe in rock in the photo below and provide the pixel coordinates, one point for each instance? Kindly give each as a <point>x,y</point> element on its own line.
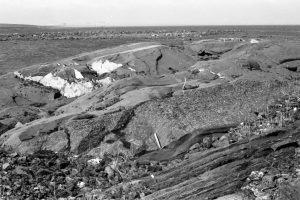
<point>131,69</point>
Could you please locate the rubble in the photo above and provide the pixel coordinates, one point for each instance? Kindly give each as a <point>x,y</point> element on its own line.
<point>102,33</point>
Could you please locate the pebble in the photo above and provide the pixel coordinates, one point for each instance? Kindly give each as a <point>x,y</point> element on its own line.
<point>280,180</point>
<point>68,179</point>
<point>74,172</point>
<point>5,166</point>
<point>297,172</point>
<point>207,142</point>
<point>13,155</point>
<point>222,142</point>
<point>52,184</point>
<point>22,159</point>
<point>268,181</point>
<point>94,161</point>
<point>18,125</point>
<point>126,188</point>
<point>256,175</point>
<point>195,146</point>
<point>19,170</point>
<point>109,171</point>
<point>81,184</point>
<point>142,195</point>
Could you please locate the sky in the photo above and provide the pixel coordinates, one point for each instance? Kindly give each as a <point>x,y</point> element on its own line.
<point>150,12</point>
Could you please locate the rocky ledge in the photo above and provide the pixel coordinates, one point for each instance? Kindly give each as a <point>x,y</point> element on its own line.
<point>137,116</point>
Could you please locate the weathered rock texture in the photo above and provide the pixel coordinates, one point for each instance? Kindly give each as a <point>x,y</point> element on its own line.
<point>154,101</point>
<point>139,91</point>
<point>220,171</point>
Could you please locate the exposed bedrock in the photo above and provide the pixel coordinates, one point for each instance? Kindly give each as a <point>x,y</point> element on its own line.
<point>14,92</point>
<point>127,97</point>
<point>220,105</point>
<point>17,116</point>
<point>222,171</point>
<point>169,118</point>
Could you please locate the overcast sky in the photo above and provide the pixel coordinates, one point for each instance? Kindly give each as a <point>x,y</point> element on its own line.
<point>150,12</point>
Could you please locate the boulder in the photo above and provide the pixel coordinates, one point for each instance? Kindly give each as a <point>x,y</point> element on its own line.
<point>32,136</point>
<point>86,134</point>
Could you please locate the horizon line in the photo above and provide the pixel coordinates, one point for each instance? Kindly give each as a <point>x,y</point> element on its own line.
<point>167,25</point>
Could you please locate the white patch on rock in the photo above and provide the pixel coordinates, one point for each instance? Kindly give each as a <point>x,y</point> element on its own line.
<point>105,81</point>
<point>220,75</point>
<point>105,67</point>
<point>78,75</point>
<point>212,72</point>
<point>55,82</point>
<point>29,78</point>
<point>16,73</point>
<point>77,89</point>
<point>131,69</point>
<point>80,184</point>
<point>94,161</point>
<point>19,124</point>
<point>69,90</point>
<point>254,41</point>
<point>35,78</point>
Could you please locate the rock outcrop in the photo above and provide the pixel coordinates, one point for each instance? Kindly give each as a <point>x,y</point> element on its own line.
<point>156,104</point>
<point>142,93</point>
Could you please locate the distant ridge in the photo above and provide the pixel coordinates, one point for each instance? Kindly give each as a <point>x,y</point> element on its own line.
<point>17,25</point>
<point>3,25</point>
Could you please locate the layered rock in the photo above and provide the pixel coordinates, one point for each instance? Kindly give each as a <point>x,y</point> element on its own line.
<point>140,93</point>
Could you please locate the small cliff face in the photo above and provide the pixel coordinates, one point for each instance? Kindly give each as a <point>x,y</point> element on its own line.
<point>140,93</point>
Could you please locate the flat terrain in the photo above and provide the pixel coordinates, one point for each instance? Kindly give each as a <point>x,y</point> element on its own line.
<point>18,52</point>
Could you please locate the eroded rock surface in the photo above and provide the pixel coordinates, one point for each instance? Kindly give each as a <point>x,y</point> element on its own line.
<point>168,91</point>
<point>157,102</point>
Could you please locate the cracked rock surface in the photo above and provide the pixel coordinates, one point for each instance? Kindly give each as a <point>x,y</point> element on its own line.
<point>170,91</point>
<point>149,101</point>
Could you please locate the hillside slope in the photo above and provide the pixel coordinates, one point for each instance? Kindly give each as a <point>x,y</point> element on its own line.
<point>153,103</point>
